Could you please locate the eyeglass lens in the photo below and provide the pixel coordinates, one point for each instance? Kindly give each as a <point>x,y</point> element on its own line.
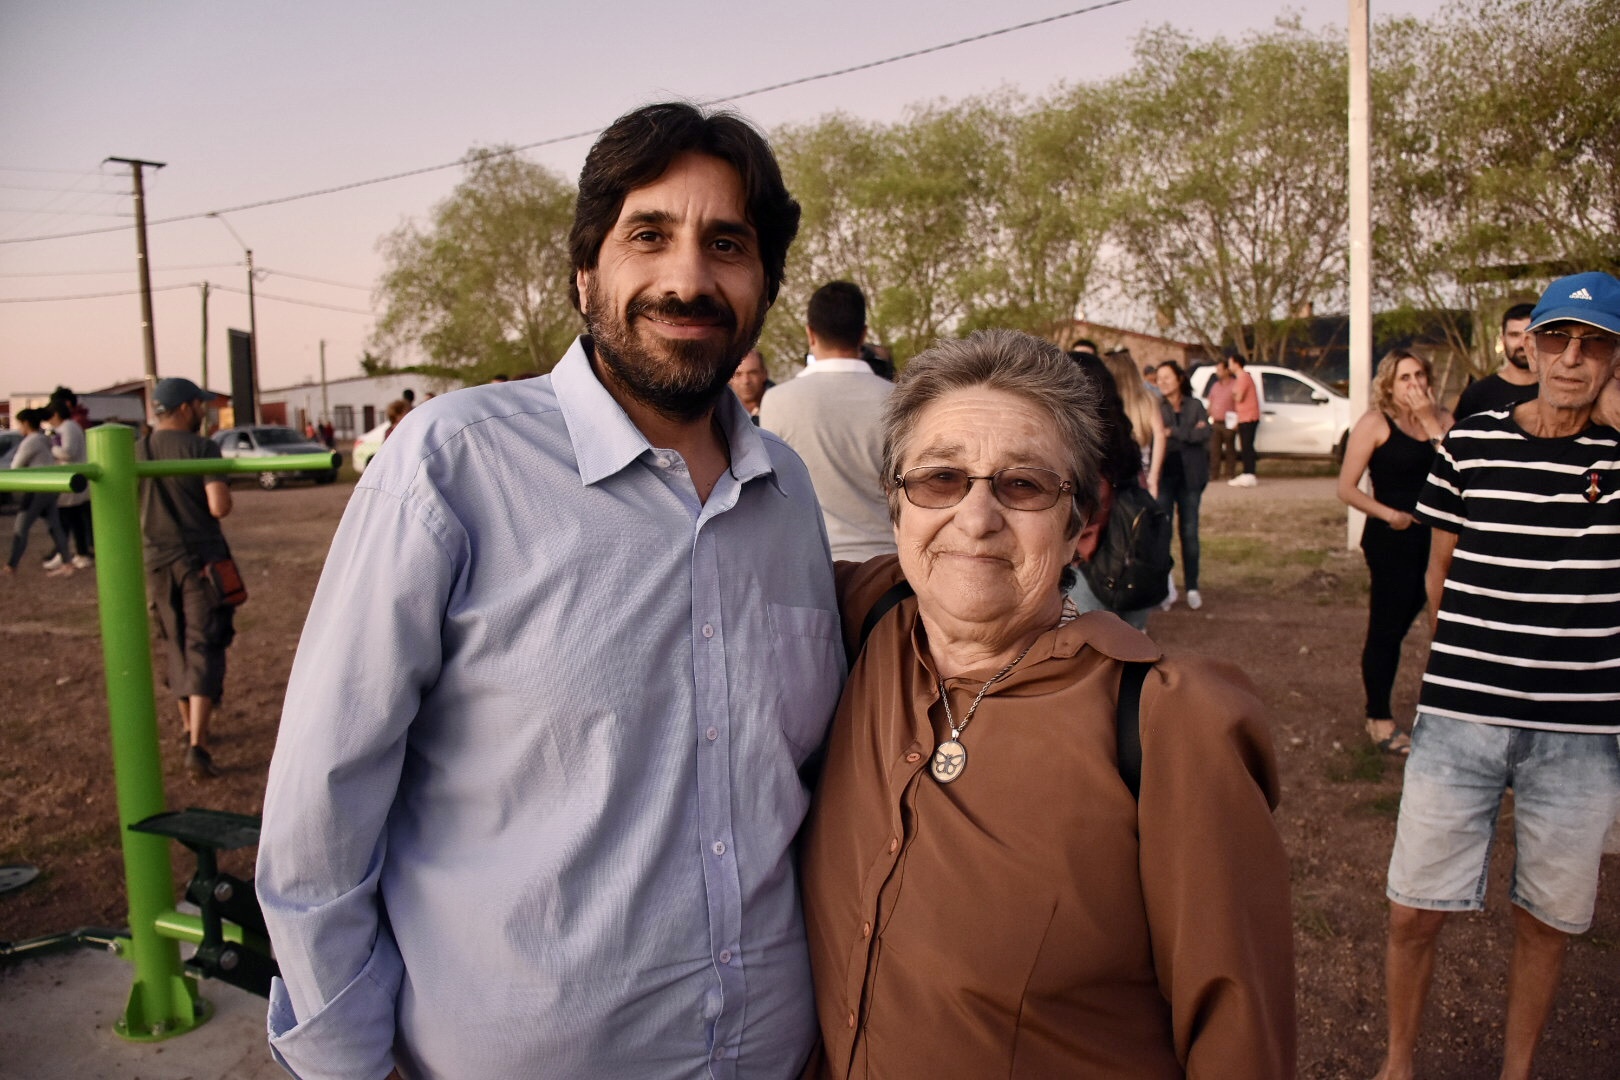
<point>935,488</point>
<point>1592,347</point>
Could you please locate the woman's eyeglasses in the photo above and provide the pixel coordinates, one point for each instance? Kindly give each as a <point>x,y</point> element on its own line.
<point>1552,343</point>
<point>935,487</point>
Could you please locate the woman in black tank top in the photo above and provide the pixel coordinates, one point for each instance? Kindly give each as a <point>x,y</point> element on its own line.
<point>1393,444</point>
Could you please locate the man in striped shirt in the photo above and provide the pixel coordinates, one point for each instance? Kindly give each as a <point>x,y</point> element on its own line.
<point>1523,681</point>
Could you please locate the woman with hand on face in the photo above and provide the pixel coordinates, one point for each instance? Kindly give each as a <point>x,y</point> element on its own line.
<point>985,894</point>
<point>1186,470</point>
<point>1393,444</point>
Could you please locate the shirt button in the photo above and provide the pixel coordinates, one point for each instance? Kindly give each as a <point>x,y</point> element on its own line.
<point>708,630</point>
<point>866,930</point>
<point>663,462</point>
<point>712,734</point>
<point>914,757</point>
<point>894,844</point>
<point>719,1053</point>
<point>725,956</point>
<point>851,1020</point>
<point>719,847</point>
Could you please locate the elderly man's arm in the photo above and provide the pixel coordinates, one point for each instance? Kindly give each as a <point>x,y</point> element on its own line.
<point>1214,873</point>
<point>333,781</point>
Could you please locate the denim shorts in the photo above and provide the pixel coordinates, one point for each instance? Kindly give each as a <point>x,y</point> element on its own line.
<point>1566,793</point>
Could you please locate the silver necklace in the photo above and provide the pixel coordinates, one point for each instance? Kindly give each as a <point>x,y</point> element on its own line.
<point>950,757</point>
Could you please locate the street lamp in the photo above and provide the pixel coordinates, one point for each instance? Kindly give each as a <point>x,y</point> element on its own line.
<point>253,316</point>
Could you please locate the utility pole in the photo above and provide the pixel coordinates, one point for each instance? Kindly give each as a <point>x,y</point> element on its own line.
<point>253,315</point>
<point>1360,137</point>
<point>149,335</point>
<point>324,412</point>
<point>204,383</point>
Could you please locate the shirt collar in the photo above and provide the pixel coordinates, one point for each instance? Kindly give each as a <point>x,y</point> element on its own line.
<point>605,440</point>
<point>837,365</point>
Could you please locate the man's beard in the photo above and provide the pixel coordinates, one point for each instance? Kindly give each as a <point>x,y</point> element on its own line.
<point>685,381</point>
<point>1519,358</point>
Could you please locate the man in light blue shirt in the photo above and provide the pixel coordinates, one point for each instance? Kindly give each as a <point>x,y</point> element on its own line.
<point>532,806</point>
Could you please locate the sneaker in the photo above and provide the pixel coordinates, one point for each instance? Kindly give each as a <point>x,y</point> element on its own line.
<point>53,563</point>
<point>1236,481</point>
<point>200,764</point>
<point>1251,480</point>
<point>83,562</point>
<point>62,570</point>
<point>1194,600</point>
<point>1169,599</point>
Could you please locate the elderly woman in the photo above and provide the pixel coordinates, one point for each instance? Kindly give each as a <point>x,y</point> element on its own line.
<point>984,893</point>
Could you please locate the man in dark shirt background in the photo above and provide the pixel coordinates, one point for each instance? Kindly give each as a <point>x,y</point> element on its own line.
<point>1514,383</point>
<point>180,521</point>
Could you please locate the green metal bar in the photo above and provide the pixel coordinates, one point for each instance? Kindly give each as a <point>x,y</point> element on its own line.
<point>189,928</point>
<point>164,1000</point>
<point>220,466</point>
<point>58,478</point>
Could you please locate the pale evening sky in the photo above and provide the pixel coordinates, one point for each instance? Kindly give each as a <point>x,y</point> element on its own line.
<point>253,102</point>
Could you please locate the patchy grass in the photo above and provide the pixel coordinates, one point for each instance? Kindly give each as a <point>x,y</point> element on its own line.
<point>1359,762</point>
<point>1314,920</point>
<point>1384,806</point>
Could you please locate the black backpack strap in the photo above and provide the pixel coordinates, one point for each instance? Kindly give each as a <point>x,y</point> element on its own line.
<point>885,604</point>
<point>1128,723</point>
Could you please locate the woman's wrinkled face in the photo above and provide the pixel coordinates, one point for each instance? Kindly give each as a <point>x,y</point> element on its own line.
<point>979,568</point>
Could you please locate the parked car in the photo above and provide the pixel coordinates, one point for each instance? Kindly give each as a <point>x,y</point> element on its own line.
<point>1300,416</point>
<point>270,441</point>
<point>367,445</point>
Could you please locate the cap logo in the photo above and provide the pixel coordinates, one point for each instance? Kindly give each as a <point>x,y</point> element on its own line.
<point>1580,294</point>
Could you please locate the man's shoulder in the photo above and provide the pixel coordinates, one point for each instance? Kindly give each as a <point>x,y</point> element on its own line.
<point>494,413</point>
<point>167,443</point>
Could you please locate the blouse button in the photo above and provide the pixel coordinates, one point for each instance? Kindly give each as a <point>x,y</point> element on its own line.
<point>866,930</point>
<point>894,844</point>
<point>851,1020</point>
<point>913,757</point>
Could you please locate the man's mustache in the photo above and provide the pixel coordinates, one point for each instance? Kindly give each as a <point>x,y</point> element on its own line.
<point>701,309</point>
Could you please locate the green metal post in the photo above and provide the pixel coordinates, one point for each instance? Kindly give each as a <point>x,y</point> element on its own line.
<point>164,1000</point>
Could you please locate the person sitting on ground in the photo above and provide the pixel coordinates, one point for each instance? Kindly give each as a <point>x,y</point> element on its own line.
<point>973,827</point>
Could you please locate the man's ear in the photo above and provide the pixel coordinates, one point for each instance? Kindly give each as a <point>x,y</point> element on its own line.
<point>1085,545</point>
<point>582,281</point>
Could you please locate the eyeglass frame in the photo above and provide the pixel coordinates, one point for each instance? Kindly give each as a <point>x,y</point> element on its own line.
<point>1064,487</point>
<point>1603,337</point>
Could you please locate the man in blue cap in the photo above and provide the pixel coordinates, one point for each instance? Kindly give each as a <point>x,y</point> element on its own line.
<point>1523,674</point>
<point>180,521</point>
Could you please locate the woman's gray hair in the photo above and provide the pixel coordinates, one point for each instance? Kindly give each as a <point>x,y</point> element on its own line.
<point>1014,363</point>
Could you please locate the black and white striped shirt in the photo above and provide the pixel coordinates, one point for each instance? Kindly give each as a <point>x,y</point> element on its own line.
<point>1529,628</point>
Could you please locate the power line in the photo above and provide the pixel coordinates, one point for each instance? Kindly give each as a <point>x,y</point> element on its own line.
<point>293,300</point>
<point>62,213</point>
<point>316,280</point>
<point>94,296</point>
<point>123,270</point>
<point>60,172</point>
<point>556,139</point>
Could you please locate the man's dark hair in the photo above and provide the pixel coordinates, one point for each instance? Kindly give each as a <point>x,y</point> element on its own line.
<point>1085,345</point>
<point>60,410</point>
<point>837,314</point>
<point>1517,311</point>
<point>639,148</point>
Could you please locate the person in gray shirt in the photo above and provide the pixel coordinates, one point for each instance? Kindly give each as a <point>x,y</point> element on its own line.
<point>830,416</point>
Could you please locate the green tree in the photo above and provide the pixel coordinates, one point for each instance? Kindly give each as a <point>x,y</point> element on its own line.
<point>1233,164</point>
<point>483,288</point>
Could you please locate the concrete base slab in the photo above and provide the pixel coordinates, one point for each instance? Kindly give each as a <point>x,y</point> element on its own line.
<point>56,1023</point>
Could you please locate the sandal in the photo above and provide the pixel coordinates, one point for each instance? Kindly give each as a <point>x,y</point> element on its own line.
<point>1397,744</point>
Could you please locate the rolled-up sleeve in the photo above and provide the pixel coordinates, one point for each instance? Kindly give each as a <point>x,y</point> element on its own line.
<point>370,648</point>
<point>1214,872</point>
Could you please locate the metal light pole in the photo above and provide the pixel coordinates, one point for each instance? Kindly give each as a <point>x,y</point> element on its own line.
<point>253,317</point>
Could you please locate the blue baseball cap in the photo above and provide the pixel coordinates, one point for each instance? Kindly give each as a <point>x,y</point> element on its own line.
<point>169,394</point>
<point>1592,298</point>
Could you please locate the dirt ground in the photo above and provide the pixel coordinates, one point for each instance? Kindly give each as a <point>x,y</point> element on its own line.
<point>1283,599</point>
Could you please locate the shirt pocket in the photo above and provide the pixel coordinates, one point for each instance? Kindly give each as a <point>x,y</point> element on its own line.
<point>809,671</point>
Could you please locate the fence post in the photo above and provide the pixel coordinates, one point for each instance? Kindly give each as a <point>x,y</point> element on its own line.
<point>164,999</point>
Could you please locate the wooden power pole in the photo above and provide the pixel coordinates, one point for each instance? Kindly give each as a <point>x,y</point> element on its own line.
<point>137,168</point>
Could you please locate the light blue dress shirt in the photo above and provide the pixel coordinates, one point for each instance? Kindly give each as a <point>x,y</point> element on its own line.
<point>533,800</point>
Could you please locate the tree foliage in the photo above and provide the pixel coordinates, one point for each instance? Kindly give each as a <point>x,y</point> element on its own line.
<point>483,287</point>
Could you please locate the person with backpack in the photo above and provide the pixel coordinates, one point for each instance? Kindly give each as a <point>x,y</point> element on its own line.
<point>1019,862</point>
<point>1129,573</point>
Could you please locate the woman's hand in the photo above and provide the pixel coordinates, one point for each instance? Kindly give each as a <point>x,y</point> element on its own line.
<point>1399,520</point>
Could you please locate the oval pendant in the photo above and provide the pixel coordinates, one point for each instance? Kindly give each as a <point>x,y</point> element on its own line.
<point>949,759</point>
